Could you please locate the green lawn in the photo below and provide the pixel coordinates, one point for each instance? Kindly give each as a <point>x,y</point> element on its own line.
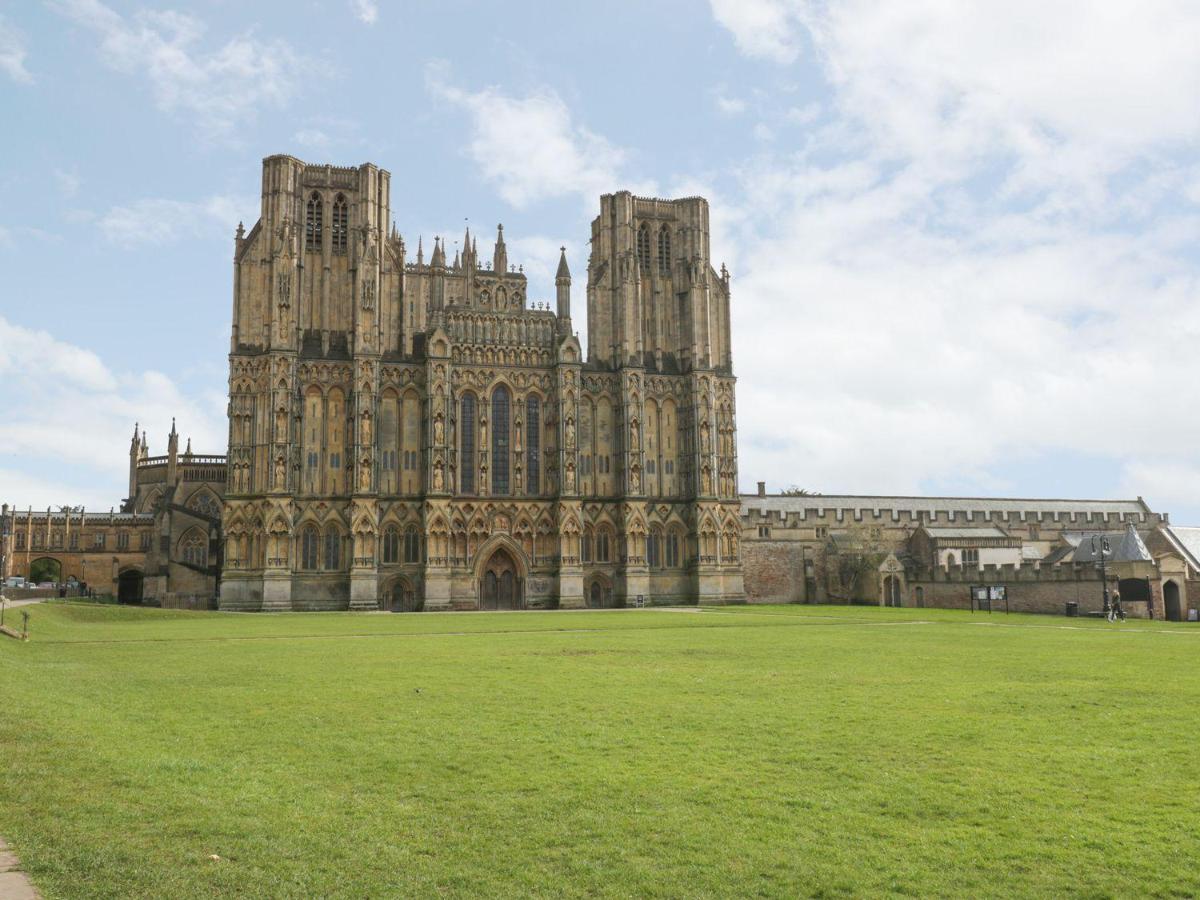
<point>785,751</point>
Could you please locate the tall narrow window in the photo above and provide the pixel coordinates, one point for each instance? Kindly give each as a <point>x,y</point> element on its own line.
<point>412,545</point>
<point>314,224</point>
<point>643,249</point>
<point>672,551</point>
<point>500,440</point>
<point>341,224</point>
<point>333,547</point>
<point>664,251</point>
<point>309,542</point>
<point>391,545</point>
<point>533,445</point>
<point>654,549</point>
<point>466,465</point>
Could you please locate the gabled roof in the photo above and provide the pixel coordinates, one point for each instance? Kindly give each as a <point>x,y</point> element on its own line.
<point>1186,539</point>
<point>1126,546</point>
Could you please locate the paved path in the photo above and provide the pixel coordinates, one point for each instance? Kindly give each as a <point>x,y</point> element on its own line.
<point>14,884</point>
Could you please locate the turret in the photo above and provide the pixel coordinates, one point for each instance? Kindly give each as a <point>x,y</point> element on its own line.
<point>562,285</point>
<point>172,453</point>
<point>500,256</point>
<point>135,454</point>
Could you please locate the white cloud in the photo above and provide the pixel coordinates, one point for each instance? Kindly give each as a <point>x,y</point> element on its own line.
<point>79,454</point>
<point>366,11</point>
<point>767,29</point>
<point>13,54</point>
<point>312,137</point>
<point>220,87</point>
<point>68,181</point>
<point>730,106</point>
<point>530,147</point>
<point>156,220</point>
<point>984,256</point>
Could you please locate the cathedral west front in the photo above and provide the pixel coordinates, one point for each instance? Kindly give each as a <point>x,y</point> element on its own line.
<point>411,432</point>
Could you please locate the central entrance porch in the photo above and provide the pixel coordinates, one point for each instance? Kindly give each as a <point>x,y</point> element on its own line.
<point>500,583</point>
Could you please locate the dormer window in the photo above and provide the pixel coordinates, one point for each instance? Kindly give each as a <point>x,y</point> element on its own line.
<point>314,223</point>
<point>341,224</point>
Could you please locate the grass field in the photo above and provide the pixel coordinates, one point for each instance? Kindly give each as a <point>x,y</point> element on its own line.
<point>784,751</point>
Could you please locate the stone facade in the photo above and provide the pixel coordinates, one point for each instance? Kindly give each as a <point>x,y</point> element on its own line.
<point>415,434</point>
<point>930,551</point>
<point>163,547</point>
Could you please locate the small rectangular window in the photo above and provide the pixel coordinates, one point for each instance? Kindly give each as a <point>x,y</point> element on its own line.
<point>970,556</point>
<point>822,532</point>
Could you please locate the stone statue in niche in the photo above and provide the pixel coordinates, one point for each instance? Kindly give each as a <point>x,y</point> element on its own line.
<point>569,479</point>
<point>633,435</point>
<point>439,430</point>
<point>439,478</point>
<point>280,472</point>
<point>281,424</point>
<point>704,439</point>
<point>364,474</point>
<point>635,480</point>
<point>365,430</point>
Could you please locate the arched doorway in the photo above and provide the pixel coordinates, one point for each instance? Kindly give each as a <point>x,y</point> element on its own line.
<point>45,569</point>
<point>129,586</point>
<point>402,597</point>
<point>1171,602</point>
<point>891,591</point>
<point>919,596</point>
<point>599,595</point>
<point>500,585</point>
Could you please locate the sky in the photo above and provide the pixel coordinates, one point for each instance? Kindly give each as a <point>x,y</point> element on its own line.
<point>964,238</point>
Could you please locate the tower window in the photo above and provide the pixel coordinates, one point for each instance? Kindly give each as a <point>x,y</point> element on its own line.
<point>391,545</point>
<point>533,446</point>
<point>467,464</point>
<point>314,223</point>
<point>333,546</point>
<point>412,545</point>
<point>341,224</point>
<point>643,249</point>
<point>664,251</point>
<point>500,439</point>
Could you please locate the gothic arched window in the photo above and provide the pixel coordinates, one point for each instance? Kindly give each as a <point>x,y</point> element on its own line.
<point>672,548</point>
<point>333,548</point>
<point>412,545</point>
<point>391,544</point>
<point>533,446</point>
<point>341,224</point>
<point>314,224</point>
<point>664,251</point>
<point>310,541</point>
<point>193,547</point>
<point>654,549</point>
<point>468,463</point>
<point>500,440</point>
<point>643,249</point>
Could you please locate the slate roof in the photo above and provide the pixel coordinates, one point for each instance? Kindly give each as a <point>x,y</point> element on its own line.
<point>959,505</point>
<point>987,531</point>
<point>1187,538</point>
<point>1126,546</point>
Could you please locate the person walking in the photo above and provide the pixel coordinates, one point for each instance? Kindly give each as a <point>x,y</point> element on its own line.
<point>1115,610</point>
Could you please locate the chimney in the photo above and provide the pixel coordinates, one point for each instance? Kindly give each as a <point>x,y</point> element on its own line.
<point>762,489</point>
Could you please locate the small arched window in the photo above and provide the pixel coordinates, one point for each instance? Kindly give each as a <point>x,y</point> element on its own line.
<point>314,223</point>
<point>391,544</point>
<point>341,224</point>
<point>194,548</point>
<point>654,549</point>
<point>643,249</point>
<point>333,548</point>
<point>672,548</point>
<point>412,545</point>
<point>310,541</point>
<point>664,251</point>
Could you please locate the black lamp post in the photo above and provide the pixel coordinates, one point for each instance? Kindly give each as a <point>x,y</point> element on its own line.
<point>1104,550</point>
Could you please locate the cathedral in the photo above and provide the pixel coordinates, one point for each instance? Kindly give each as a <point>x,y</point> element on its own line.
<point>413,433</point>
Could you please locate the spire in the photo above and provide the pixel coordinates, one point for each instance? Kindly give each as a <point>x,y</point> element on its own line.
<point>188,451</point>
<point>145,445</point>
<point>135,435</point>
<point>457,264</point>
<point>500,257</point>
<point>420,251</point>
<point>439,254</point>
<point>562,289</point>
<point>173,434</point>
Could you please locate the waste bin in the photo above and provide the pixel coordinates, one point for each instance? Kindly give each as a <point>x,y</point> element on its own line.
<point>1072,608</point>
